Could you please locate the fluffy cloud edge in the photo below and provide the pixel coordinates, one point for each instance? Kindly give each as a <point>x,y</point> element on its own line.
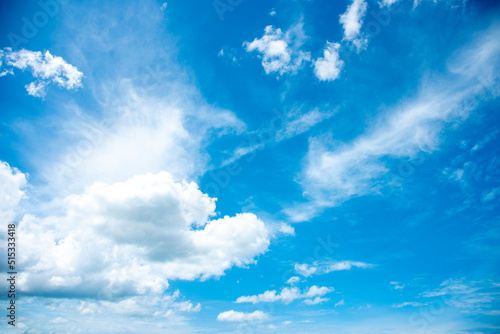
<point>44,67</point>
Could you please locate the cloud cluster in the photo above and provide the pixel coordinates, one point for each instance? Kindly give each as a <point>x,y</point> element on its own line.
<point>288,295</point>
<point>130,237</point>
<point>280,50</point>
<point>45,67</point>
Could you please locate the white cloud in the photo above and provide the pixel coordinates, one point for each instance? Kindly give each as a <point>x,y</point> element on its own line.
<point>457,175</point>
<point>168,313</point>
<point>148,134</point>
<point>286,295</point>
<point>317,291</point>
<point>305,269</point>
<point>45,67</point>
<point>315,301</point>
<point>308,270</point>
<point>352,20</point>
<point>475,297</point>
<point>340,303</point>
<point>280,51</point>
<point>272,12</point>
<point>286,229</point>
<point>297,122</point>
<point>328,68</point>
<point>336,172</point>
<point>294,122</point>
<point>131,237</point>
<point>12,184</point>
<point>397,286</point>
<point>387,3</point>
<point>230,54</point>
<point>292,280</point>
<point>414,304</point>
<point>234,316</point>
<point>491,194</point>
<point>163,6</point>
<point>480,144</point>
<point>157,306</point>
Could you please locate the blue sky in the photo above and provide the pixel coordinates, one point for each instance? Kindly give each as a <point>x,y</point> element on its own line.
<point>252,166</point>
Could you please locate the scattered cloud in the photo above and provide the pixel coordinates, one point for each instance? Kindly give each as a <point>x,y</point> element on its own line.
<point>45,67</point>
<point>230,54</point>
<point>475,297</point>
<point>336,172</point>
<point>163,6</point>
<point>340,303</point>
<point>329,66</point>
<point>234,316</point>
<point>287,295</point>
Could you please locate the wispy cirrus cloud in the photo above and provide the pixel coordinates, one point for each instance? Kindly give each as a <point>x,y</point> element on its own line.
<point>474,297</point>
<point>316,268</point>
<point>405,304</point>
<point>335,172</point>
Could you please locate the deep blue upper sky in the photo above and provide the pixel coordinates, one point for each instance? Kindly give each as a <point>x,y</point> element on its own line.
<point>301,166</point>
